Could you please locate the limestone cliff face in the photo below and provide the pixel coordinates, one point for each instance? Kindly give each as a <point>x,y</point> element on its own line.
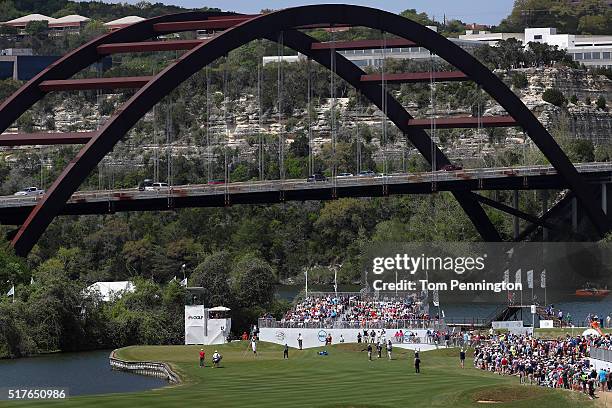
<point>580,119</point>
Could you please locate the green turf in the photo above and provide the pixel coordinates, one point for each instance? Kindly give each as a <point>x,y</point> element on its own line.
<point>345,378</point>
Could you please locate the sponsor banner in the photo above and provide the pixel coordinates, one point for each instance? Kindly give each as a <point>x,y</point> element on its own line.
<point>546,324</point>
<point>316,337</point>
<point>510,324</point>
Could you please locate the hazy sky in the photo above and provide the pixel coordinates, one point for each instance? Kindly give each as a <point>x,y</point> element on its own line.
<point>481,11</point>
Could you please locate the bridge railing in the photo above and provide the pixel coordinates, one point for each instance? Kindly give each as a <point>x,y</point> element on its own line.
<point>301,184</point>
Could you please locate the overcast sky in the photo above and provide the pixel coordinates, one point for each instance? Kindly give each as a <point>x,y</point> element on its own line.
<point>469,11</point>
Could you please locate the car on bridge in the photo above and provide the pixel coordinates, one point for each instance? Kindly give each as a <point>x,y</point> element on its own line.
<point>216,182</point>
<point>451,167</point>
<point>345,175</point>
<point>30,191</point>
<point>157,186</point>
<point>144,184</point>
<point>318,177</point>
<point>366,173</point>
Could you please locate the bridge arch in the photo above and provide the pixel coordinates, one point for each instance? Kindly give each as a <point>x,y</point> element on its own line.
<point>246,29</point>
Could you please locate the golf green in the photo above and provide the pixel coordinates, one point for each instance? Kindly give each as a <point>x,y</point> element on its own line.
<point>344,378</point>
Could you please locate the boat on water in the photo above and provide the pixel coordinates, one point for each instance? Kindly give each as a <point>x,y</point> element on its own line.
<point>592,293</point>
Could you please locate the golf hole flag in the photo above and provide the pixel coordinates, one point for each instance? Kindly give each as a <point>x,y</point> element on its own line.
<point>11,292</point>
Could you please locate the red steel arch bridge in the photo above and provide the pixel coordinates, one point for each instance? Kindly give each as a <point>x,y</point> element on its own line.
<point>290,28</point>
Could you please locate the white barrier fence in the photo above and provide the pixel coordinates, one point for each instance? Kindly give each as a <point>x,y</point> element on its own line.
<point>316,337</point>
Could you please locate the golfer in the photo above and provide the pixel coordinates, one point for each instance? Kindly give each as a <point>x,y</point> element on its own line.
<point>389,349</point>
<point>254,346</point>
<point>417,363</point>
<point>462,358</point>
<point>202,355</point>
<point>216,359</point>
<point>286,352</point>
<point>300,340</point>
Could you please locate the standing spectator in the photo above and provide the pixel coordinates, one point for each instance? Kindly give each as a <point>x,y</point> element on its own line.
<point>603,379</point>
<point>358,337</point>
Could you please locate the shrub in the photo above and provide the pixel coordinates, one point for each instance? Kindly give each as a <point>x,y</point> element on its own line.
<point>554,96</point>
<point>519,80</point>
<point>601,103</point>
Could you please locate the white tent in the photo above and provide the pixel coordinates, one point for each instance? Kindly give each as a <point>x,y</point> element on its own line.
<point>110,290</point>
<point>591,332</point>
<point>219,309</point>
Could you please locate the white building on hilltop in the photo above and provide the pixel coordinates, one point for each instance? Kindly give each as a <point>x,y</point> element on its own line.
<point>590,50</point>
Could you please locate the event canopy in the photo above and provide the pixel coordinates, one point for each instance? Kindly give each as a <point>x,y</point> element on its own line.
<point>110,290</point>
<point>219,309</point>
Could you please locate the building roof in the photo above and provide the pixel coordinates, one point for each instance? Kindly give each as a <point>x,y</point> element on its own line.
<point>109,290</point>
<point>124,21</point>
<point>23,20</point>
<point>72,18</point>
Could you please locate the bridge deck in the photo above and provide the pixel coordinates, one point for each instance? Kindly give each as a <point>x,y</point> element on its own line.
<point>16,208</point>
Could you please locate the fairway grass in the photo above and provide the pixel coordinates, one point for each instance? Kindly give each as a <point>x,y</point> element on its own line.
<point>344,378</point>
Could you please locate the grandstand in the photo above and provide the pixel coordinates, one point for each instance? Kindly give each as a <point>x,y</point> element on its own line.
<point>347,314</point>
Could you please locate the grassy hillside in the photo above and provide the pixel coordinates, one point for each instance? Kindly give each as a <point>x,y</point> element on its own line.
<point>345,378</point>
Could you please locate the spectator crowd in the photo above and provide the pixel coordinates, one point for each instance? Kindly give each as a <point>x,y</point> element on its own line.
<point>559,363</point>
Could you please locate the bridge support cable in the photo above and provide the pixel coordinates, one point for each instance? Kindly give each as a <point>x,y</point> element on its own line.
<point>384,111</point>
<point>207,147</point>
<point>479,133</point>
<point>432,130</point>
<point>169,139</point>
<point>280,94</point>
<point>332,110</point>
<point>260,131</point>
<point>309,117</point>
<point>226,101</point>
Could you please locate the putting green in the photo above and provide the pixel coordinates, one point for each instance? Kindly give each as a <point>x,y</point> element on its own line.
<point>344,378</point>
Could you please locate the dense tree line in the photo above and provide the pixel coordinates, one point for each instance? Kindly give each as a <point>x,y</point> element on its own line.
<point>586,17</point>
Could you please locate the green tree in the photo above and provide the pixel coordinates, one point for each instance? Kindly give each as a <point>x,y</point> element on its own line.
<point>253,282</point>
<point>213,275</point>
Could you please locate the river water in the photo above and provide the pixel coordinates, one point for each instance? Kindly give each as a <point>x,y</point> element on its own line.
<point>82,373</point>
